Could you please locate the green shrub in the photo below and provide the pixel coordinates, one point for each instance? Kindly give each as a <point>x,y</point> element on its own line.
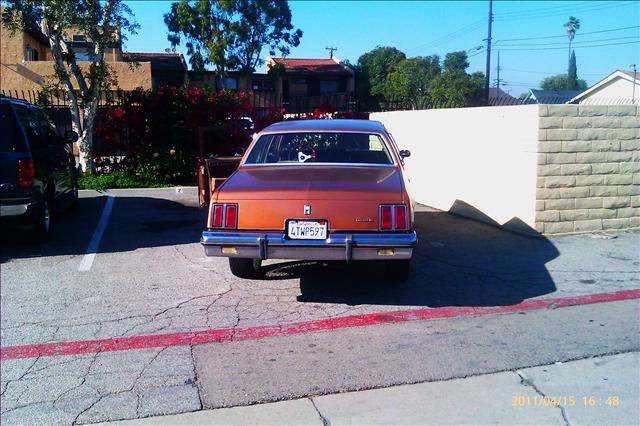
<point>118,179</point>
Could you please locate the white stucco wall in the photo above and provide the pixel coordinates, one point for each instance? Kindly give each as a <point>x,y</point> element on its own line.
<point>485,157</point>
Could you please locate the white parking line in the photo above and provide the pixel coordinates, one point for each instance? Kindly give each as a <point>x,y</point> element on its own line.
<point>92,249</point>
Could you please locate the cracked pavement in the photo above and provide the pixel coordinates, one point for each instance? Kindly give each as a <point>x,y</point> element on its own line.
<point>151,276</point>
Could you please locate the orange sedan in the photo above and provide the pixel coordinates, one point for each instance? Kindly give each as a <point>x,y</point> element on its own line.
<point>315,190</point>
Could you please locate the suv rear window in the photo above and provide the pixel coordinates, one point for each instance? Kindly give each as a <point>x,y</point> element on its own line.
<point>12,139</point>
<point>320,147</point>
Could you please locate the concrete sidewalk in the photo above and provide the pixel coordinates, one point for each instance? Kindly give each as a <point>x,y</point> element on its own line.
<point>602,390</point>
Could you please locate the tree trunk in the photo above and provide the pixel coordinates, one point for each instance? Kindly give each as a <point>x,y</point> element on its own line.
<point>85,139</point>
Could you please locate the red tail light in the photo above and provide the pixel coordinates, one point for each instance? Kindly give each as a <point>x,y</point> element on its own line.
<point>224,216</point>
<point>230,216</point>
<point>399,217</point>
<point>218,212</point>
<point>393,217</point>
<point>26,173</point>
<point>385,217</point>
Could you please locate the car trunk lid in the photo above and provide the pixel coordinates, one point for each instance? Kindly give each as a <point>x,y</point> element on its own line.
<point>347,196</point>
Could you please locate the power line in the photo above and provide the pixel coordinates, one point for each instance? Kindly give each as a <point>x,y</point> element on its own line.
<point>451,36</point>
<point>578,43</point>
<point>550,72</point>
<point>548,9</point>
<point>479,52</point>
<point>564,35</point>
<point>574,10</point>
<point>577,47</point>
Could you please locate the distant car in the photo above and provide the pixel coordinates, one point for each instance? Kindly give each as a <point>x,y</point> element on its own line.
<point>315,190</point>
<point>38,174</point>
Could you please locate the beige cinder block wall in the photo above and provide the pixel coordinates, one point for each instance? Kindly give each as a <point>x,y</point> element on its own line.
<point>588,168</point>
<point>476,162</point>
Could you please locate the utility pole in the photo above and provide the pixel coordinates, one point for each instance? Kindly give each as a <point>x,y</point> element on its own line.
<point>633,95</point>
<point>331,49</point>
<point>488,67</point>
<point>498,79</point>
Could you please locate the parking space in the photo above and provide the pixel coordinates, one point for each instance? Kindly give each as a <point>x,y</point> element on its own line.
<point>149,277</point>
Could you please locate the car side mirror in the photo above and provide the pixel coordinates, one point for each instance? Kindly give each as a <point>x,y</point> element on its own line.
<point>70,136</point>
<point>405,153</point>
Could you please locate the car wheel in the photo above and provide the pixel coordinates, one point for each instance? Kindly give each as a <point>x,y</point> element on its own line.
<point>397,270</point>
<point>42,222</point>
<point>245,268</point>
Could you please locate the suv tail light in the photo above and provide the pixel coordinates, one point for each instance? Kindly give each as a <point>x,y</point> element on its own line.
<point>26,173</point>
<point>392,217</point>
<point>224,216</point>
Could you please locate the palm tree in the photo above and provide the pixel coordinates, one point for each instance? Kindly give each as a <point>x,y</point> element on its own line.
<point>572,25</point>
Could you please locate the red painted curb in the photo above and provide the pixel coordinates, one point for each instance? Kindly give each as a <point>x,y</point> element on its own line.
<point>257,332</point>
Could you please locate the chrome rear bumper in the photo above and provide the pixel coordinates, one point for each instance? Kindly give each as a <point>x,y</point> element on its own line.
<point>339,246</point>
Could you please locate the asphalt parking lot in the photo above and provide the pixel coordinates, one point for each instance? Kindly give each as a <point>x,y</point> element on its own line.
<point>147,325</point>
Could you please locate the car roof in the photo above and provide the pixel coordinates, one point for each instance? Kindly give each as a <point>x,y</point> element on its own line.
<point>326,125</point>
<point>15,101</point>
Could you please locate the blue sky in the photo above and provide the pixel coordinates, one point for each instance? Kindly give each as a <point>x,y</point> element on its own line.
<point>434,27</point>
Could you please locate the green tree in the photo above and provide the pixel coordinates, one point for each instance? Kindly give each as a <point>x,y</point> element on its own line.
<point>572,73</point>
<point>372,71</point>
<point>261,23</point>
<point>571,26</point>
<point>456,62</point>
<point>454,87</point>
<point>205,26</point>
<point>104,24</point>
<point>231,34</point>
<point>562,82</point>
<point>410,79</point>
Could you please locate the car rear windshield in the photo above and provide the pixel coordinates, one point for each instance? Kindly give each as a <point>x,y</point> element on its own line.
<point>12,139</point>
<point>320,147</point>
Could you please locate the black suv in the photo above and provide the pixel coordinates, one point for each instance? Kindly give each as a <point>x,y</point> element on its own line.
<point>38,173</point>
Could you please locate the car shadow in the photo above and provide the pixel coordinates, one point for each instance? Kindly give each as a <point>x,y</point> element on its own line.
<point>135,222</point>
<point>458,262</point>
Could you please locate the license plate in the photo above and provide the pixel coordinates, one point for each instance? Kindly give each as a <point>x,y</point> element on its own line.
<point>307,229</point>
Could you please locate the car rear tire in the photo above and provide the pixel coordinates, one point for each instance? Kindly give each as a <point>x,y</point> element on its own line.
<point>245,268</point>
<point>42,222</point>
<point>397,270</point>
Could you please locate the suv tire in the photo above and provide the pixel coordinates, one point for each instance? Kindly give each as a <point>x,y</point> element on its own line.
<point>42,222</point>
<point>74,191</point>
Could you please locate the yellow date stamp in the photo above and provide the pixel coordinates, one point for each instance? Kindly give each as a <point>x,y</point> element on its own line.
<point>564,400</point>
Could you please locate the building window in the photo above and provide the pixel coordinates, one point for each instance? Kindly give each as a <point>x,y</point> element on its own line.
<point>328,87</point>
<point>79,38</point>
<point>230,83</point>
<point>261,85</point>
<point>83,56</point>
<point>30,54</point>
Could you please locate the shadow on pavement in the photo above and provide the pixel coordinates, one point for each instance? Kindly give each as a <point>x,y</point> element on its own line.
<point>458,262</point>
<point>135,222</point>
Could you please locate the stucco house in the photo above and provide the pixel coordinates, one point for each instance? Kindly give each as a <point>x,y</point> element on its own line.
<point>618,88</point>
<point>297,84</point>
<point>27,62</point>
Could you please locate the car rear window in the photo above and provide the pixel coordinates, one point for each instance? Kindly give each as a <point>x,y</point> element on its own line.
<point>320,147</point>
<point>12,139</point>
